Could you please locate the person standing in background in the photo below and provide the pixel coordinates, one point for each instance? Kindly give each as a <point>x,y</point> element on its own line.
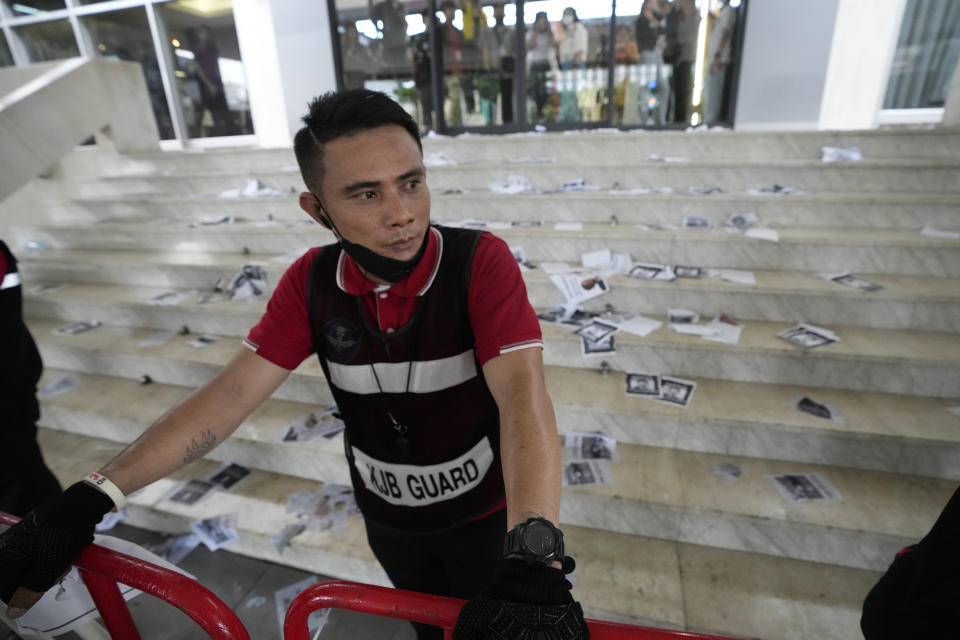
<point>206,59</point>
<point>683,26</point>
<point>388,17</point>
<point>573,47</point>
<point>25,480</point>
<point>540,52</point>
<point>719,51</point>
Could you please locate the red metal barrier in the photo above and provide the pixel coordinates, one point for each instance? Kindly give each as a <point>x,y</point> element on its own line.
<point>440,612</point>
<point>103,568</point>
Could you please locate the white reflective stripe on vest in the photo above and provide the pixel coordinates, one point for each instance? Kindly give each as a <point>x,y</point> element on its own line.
<point>10,281</point>
<point>426,376</point>
<point>415,486</point>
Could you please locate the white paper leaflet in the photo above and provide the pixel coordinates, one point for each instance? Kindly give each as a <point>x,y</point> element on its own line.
<point>590,446</point>
<point>586,472</point>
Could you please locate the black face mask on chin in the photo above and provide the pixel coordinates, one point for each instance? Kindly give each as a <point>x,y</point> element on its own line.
<point>383,267</point>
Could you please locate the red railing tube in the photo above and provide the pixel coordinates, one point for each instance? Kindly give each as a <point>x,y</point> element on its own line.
<point>198,602</point>
<point>435,610</point>
<point>111,606</point>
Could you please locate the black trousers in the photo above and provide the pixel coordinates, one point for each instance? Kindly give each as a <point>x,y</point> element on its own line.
<point>458,563</point>
<point>25,480</point>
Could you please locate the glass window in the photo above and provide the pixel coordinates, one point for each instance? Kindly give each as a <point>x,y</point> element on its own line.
<point>567,51</point>
<point>926,55</point>
<point>6,59</point>
<point>49,40</point>
<point>385,46</point>
<point>21,8</point>
<point>209,71</point>
<point>125,35</point>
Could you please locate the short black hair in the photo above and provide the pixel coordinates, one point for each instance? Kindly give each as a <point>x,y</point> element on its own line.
<point>344,113</point>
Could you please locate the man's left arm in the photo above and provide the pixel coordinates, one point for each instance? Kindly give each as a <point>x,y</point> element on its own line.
<point>529,447</point>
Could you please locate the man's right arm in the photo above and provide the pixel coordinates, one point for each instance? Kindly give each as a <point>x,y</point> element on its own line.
<point>192,428</point>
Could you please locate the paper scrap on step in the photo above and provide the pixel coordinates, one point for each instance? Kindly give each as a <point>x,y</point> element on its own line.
<point>931,231</point>
<point>676,391</point>
<point>639,191</point>
<point>580,445</point>
<point>217,531</point>
<point>651,271</point>
<point>808,336</point>
<point>201,342</point>
<point>639,325</point>
<point>229,475</point>
<point>327,507</point>
<point>578,288</point>
<point>289,531</point>
<point>775,190</point>
<point>284,597</point>
<point>689,272</point>
<point>76,328</point>
<point>705,191</point>
<point>763,233</point>
<point>62,385</point>
<point>643,384</point>
<point>682,316</point>
<point>249,283</point>
<point>804,487</point>
<point>847,279</point>
<point>513,184</point>
<point>252,188</point>
<point>191,491</point>
<point>807,405</point>
<point>741,221</point>
<point>586,472</point>
<point>212,221</point>
<point>840,154</point>
<point>656,157</point>
<point>702,223</point>
<point>605,346</point>
<point>735,275</point>
<point>325,423</point>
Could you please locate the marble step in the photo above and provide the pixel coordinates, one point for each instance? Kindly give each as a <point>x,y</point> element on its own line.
<point>619,577</point>
<point>889,361</point>
<point>879,251</point>
<point>929,304</point>
<point>662,493</point>
<point>903,434</point>
<point>822,210</point>
<point>928,176</point>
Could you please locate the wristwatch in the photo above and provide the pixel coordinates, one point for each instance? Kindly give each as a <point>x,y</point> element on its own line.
<point>536,540</point>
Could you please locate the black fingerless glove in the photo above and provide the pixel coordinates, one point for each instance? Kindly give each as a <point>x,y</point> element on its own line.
<point>524,601</point>
<point>38,550</point>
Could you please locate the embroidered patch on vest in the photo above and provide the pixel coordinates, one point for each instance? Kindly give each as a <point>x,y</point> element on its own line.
<point>343,339</point>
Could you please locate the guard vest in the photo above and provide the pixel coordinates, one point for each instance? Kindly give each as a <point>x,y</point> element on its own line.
<point>422,429</point>
<point>20,364</point>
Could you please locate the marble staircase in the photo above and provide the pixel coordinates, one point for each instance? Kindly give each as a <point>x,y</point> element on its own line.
<point>671,542</point>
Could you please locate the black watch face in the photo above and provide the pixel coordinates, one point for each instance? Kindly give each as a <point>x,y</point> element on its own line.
<point>539,539</point>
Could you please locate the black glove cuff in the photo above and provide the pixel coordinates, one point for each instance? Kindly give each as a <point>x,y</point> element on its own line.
<point>79,508</point>
<point>519,581</point>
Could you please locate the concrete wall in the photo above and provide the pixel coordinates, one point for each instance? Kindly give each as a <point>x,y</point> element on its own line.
<point>786,51</point>
<point>951,114</point>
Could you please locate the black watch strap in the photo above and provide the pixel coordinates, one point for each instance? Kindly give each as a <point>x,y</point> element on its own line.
<point>548,545</point>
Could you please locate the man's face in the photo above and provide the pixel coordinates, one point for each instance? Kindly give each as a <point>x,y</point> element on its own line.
<point>448,14</point>
<point>374,190</point>
<point>498,13</point>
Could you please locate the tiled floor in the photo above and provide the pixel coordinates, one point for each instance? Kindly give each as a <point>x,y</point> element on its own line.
<point>247,586</point>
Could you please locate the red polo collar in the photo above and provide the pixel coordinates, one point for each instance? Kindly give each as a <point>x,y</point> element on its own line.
<point>351,280</point>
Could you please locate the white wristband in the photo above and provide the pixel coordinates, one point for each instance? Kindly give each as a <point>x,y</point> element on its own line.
<point>104,484</point>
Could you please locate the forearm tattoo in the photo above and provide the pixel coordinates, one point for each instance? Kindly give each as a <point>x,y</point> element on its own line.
<point>199,449</point>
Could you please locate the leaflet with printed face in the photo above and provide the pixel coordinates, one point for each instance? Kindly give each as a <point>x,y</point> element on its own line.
<point>676,392</point>
<point>645,385</point>
<point>229,475</point>
<point>586,472</point>
<point>75,328</point>
<point>578,288</point>
<point>325,423</point>
<point>603,347</point>
<point>804,487</point>
<point>191,491</point>
<point>581,445</point>
<point>847,279</point>
<point>742,221</point>
<point>217,531</point>
<point>651,271</point>
<point>808,336</point>
<point>698,222</point>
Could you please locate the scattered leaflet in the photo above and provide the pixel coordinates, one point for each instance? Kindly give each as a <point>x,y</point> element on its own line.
<point>596,330</point>
<point>649,271</point>
<point>849,280</point>
<point>217,531</point>
<point>804,487</point>
<point>171,298</point>
<point>724,329</point>
<point>586,472</point>
<point>839,154</point>
<point>514,184</point>
<point>325,508</point>
<point>75,328</point>
<point>823,411</point>
<point>741,221</point>
<point>598,259</point>
<point>253,188</point>
<point>191,491</point>
<point>527,224</point>
<point>325,423</point>
<point>63,385</point>
<point>655,157</point>
<point>568,226</point>
<point>250,283</point>
<point>639,325</point>
<point>229,475</point>
<point>735,275</point>
<point>698,222</point>
<point>808,336</point>
<point>676,392</point>
<point>577,185</point>
<point>290,531</point>
<point>763,233</point>
<point>521,257</point>
<point>499,225</point>
<point>689,272</point>
<point>174,549</point>
<point>643,384</point>
<point>682,316</point>
<point>639,191</point>
<point>603,347</point>
<point>577,289</point>
<point>580,446</point>
<point>932,232</point>
<point>201,342</point>
<point>775,190</point>
<point>284,597</point>
<point>438,159</point>
<point>705,191</point>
